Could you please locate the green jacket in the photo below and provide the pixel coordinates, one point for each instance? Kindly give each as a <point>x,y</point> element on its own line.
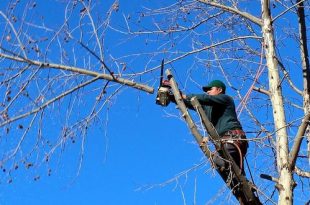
<point>220,110</point>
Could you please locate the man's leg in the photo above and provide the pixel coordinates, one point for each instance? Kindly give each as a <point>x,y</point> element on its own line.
<point>235,154</point>
<point>223,164</point>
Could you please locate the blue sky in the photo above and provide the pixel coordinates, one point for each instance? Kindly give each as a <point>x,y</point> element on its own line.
<point>137,152</point>
<point>136,158</point>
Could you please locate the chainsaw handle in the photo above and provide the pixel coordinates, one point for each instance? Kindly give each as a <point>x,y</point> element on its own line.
<point>162,72</point>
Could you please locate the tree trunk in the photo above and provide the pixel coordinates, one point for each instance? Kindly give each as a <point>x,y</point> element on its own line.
<point>285,185</point>
<point>304,62</point>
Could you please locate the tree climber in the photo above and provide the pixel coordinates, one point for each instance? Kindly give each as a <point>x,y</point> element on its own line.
<point>220,110</point>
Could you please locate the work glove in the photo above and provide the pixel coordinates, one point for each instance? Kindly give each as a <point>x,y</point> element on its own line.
<point>172,98</point>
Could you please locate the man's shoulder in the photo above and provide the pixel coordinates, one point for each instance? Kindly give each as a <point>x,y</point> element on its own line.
<point>226,98</point>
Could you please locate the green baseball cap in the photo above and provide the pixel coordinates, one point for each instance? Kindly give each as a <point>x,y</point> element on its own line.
<point>215,83</point>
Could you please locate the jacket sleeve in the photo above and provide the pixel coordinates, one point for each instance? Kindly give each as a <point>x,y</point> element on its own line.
<point>210,100</point>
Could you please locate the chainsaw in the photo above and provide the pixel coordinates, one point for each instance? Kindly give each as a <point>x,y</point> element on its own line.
<point>163,92</point>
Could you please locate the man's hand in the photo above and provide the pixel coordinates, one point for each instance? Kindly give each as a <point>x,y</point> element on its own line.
<point>172,98</point>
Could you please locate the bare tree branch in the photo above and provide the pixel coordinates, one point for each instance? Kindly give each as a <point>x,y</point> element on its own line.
<point>299,2</point>
<point>22,47</point>
<point>81,71</point>
<point>235,11</point>
<point>261,90</point>
<point>298,139</point>
<point>202,49</point>
<point>287,76</point>
<point>10,120</point>
<point>302,173</point>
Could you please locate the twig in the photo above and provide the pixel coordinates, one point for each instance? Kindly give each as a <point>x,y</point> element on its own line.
<point>285,11</point>
<point>22,47</point>
<point>235,11</point>
<point>108,77</point>
<point>48,102</point>
<point>98,58</point>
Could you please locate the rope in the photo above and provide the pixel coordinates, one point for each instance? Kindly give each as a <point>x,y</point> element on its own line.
<point>241,161</point>
<point>247,95</point>
<point>240,153</point>
<point>247,164</point>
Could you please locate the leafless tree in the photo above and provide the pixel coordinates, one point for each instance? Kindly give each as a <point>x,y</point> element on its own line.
<point>49,66</point>
<point>52,67</point>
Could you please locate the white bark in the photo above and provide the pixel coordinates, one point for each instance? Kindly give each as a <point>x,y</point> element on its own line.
<point>285,175</point>
<point>304,62</point>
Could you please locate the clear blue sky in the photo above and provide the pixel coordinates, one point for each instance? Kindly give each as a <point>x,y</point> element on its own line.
<point>144,149</point>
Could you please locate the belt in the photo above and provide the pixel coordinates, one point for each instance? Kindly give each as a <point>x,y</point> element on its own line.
<point>234,132</point>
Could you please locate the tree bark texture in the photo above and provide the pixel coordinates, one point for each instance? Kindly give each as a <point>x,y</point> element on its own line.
<point>285,174</point>
<point>304,62</point>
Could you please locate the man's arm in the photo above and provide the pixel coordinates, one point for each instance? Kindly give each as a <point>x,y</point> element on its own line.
<point>211,100</point>
<point>186,101</point>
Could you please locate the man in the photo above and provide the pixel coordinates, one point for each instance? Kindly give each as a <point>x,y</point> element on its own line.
<point>220,110</point>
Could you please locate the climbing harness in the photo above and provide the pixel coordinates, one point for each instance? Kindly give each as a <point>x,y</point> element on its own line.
<point>234,137</point>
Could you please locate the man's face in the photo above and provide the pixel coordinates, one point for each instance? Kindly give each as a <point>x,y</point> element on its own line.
<point>214,91</point>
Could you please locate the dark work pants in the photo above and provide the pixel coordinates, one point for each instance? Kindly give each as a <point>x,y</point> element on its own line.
<point>234,153</point>
<point>223,165</point>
